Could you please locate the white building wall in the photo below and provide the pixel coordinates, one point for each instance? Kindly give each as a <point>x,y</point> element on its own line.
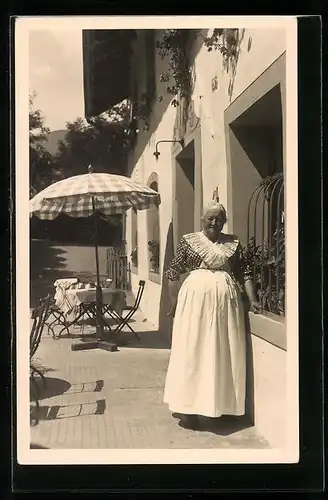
<point>269,391</point>
<point>258,50</point>
<point>265,47</point>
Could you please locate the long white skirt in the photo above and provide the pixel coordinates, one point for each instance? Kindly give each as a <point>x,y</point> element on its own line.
<point>207,369</point>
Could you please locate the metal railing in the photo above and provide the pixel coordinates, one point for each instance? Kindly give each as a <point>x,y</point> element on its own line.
<point>118,268</point>
<point>265,251</point>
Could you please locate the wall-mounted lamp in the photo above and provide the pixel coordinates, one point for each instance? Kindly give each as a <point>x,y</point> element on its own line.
<point>157,153</point>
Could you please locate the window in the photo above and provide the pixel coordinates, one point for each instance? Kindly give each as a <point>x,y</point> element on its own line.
<point>265,250</point>
<point>134,239</point>
<point>153,229</point>
<point>256,151</point>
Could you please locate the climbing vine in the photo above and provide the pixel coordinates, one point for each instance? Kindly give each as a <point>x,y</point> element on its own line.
<point>227,42</point>
<point>173,44</point>
<point>141,111</point>
<point>224,40</point>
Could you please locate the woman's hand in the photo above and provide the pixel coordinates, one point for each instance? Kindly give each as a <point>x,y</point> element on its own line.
<point>173,297</point>
<point>171,312</point>
<point>255,306</point>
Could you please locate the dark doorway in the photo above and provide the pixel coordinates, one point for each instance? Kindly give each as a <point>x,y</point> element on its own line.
<point>256,152</point>
<point>185,191</point>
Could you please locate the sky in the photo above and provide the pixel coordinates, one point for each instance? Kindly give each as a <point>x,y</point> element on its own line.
<point>55,74</point>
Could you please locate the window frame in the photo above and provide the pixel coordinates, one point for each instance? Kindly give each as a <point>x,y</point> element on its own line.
<point>266,326</point>
<point>154,276</point>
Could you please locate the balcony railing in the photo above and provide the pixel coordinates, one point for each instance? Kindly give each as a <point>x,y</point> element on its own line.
<point>265,251</point>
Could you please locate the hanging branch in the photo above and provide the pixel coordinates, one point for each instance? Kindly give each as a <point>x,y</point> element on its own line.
<point>173,44</point>
<point>224,40</point>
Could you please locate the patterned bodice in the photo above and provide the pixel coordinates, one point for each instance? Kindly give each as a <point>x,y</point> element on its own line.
<point>195,251</point>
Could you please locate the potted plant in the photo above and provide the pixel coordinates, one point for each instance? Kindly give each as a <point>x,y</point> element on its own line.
<point>153,247</point>
<point>267,265</point>
<point>278,268</point>
<point>134,256</point>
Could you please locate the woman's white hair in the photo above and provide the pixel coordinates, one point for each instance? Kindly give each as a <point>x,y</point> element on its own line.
<point>216,207</point>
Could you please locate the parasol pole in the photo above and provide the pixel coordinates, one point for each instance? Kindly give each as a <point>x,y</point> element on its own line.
<point>99,320</point>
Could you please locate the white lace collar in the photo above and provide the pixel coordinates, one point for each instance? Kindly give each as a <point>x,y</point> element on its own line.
<point>214,255</point>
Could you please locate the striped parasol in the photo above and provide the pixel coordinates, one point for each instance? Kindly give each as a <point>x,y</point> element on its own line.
<point>80,195</point>
<point>90,194</point>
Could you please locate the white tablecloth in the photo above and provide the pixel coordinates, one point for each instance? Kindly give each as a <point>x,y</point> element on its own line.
<point>61,286</point>
<point>69,300</point>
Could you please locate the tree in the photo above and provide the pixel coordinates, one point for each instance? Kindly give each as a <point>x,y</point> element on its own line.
<point>103,142</point>
<point>40,160</point>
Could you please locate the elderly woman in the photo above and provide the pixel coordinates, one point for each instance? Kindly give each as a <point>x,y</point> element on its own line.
<point>207,369</point>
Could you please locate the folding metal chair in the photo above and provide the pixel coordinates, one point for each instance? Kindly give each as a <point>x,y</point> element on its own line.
<point>124,320</point>
<point>39,316</point>
<point>55,316</point>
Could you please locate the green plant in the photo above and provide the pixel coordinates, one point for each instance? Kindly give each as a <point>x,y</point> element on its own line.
<point>154,249</point>
<point>224,40</point>
<point>134,256</point>
<point>103,141</point>
<point>267,264</point>
<point>141,111</point>
<point>252,254</point>
<point>41,162</point>
<point>278,268</point>
<point>227,41</point>
<point>173,43</point>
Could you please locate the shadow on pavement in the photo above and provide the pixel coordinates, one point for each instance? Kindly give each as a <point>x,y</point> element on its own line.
<point>57,387</point>
<point>153,339</point>
<point>53,387</point>
<point>83,387</point>
<point>93,322</point>
<point>222,426</point>
<point>57,412</point>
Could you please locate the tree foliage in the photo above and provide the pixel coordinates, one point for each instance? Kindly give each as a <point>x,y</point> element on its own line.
<point>40,160</point>
<point>102,142</point>
<point>173,44</point>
